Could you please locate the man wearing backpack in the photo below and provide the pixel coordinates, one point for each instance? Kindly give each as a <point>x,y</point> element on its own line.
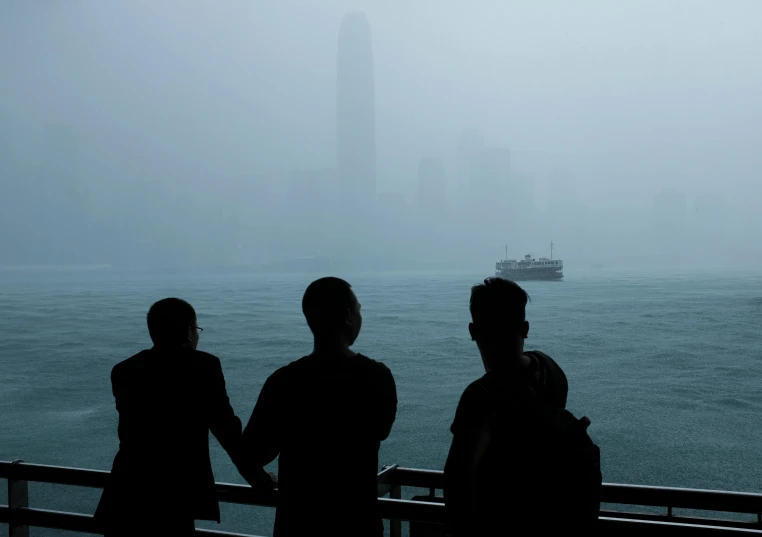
<point>519,463</point>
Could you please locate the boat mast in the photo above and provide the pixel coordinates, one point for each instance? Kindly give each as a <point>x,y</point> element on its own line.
<point>506,250</point>
<point>551,250</point>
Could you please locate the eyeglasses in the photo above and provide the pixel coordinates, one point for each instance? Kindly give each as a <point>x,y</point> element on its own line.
<point>198,329</point>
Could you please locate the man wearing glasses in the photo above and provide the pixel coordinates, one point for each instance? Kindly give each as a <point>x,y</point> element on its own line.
<point>168,398</point>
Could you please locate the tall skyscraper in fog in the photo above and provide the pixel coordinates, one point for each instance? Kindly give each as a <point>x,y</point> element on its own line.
<point>490,174</point>
<point>470,144</point>
<point>432,189</point>
<point>355,120</point>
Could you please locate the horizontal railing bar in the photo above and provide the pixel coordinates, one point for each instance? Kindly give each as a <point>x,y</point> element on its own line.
<point>706,521</point>
<point>245,495</point>
<point>622,527</point>
<point>200,531</point>
<point>704,500</point>
<point>415,477</point>
<point>61,475</point>
<point>59,520</point>
<point>57,475</point>
<point>409,510</point>
<point>696,499</point>
<point>45,518</point>
<point>388,509</point>
<point>700,499</point>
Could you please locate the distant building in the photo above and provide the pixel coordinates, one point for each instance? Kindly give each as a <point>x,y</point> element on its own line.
<point>313,192</point>
<point>490,217</point>
<point>355,121</point>
<point>251,207</point>
<point>312,210</point>
<point>395,216</point>
<point>490,172</point>
<point>470,144</point>
<point>432,188</point>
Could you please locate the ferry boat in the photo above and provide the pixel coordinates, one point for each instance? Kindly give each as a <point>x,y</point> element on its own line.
<point>529,268</point>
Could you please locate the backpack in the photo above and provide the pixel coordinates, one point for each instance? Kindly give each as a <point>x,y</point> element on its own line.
<point>562,459</point>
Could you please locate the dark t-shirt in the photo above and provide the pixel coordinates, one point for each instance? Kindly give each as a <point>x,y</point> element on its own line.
<point>326,417</point>
<point>506,484</point>
<point>544,378</point>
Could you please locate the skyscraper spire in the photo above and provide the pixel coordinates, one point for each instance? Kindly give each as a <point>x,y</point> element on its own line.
<point>356,122</point>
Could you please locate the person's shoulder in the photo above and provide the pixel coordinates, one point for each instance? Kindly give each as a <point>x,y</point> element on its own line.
<point>133,362</point>
<point>283,373</point>
<point>204,358</point>
<point>543,358</point>
<point>552,379</point>
<point>474,397</point>
<point>375,366</point>
<point>475,392</point>
<point>472,406</point>
<point>548,363</point>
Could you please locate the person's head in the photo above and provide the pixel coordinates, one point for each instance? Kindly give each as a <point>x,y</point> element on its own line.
<point>499,325</point>
<point>172,322</point>
<point>332,311</point>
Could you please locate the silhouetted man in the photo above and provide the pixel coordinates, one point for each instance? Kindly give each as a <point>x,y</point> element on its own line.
<point>168,398</point>
<point>519,463</point>
<point>326,415</point>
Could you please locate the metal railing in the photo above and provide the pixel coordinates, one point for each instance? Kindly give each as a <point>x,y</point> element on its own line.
<point>425,513</point>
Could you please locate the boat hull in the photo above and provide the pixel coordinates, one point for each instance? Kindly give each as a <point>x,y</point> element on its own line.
<point>518,275</point>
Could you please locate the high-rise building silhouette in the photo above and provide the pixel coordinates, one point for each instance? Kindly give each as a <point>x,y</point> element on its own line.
<point>356,123</point>
<point>470,144</point>
<point>432,215</point>
<point>310,221</point>
<point>432,188</point>
<point>490,173</point>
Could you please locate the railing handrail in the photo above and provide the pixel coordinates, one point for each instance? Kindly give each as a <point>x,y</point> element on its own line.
<point>704,499</point>
<point>645,495</point>
<point>391,479</point>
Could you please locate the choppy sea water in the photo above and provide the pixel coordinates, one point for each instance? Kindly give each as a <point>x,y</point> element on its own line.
<point>668,367</point>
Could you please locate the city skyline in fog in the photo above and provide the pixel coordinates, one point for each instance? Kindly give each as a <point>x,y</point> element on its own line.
<point>196,159</point>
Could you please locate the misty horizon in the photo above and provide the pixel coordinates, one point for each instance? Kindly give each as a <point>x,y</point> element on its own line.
<point>211,134</point>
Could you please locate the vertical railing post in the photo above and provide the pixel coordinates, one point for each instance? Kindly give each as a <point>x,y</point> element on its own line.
<point>18,497</point>
<point>395,526</point>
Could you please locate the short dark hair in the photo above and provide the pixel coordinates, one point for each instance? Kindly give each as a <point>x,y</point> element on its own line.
<point>325,304</point>
<point>169,320</point>
<point>497,305</point>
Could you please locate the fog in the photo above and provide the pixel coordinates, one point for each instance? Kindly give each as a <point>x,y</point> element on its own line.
<point>381,134</point>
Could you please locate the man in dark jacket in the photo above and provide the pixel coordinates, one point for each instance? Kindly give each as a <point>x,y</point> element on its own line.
<point>326,415</point>
<point>506,472</point>
<point>169,397</point>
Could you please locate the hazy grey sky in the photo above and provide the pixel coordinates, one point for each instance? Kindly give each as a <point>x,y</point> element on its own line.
<point>621,97</point>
